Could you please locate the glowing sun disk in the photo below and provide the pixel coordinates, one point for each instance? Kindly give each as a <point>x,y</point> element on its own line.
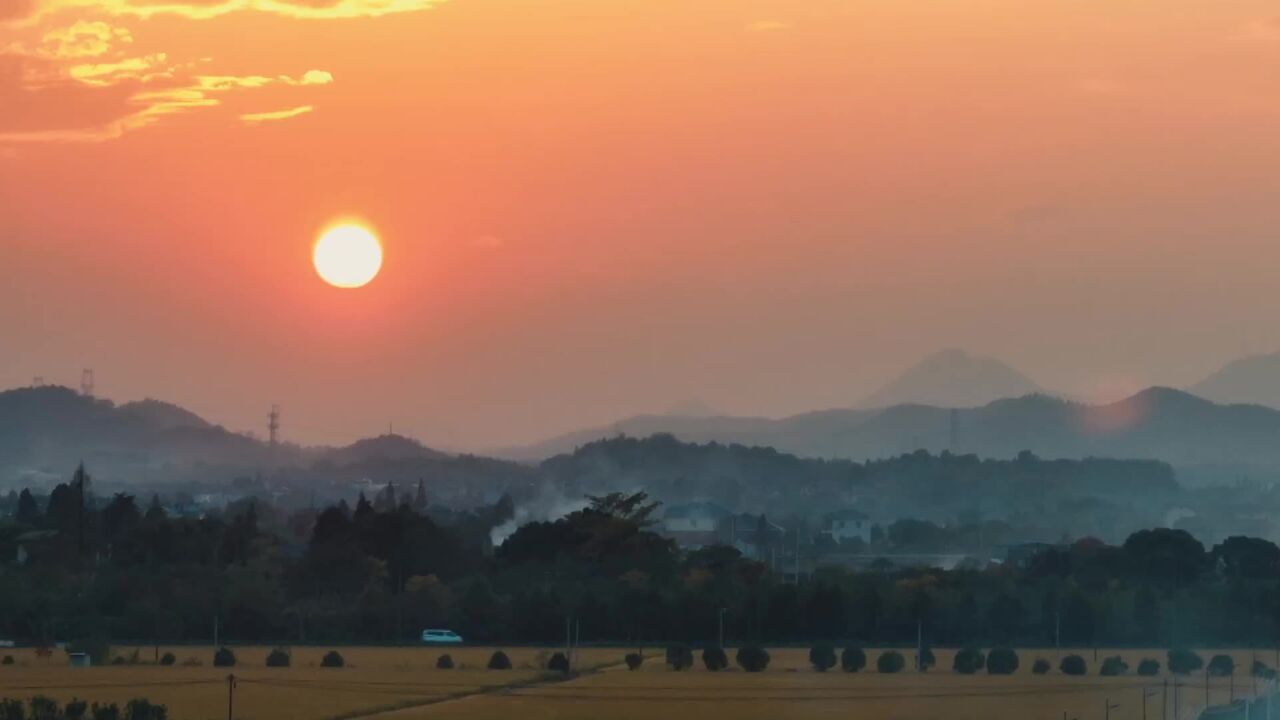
<point>347,256</point>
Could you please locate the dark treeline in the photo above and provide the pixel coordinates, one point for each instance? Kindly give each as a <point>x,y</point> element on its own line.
<point>382,571</point>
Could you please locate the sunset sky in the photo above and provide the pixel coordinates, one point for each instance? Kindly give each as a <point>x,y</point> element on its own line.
<point>592,208</point>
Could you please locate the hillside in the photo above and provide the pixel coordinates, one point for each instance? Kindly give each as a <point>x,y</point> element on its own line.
<point>1158,423</point>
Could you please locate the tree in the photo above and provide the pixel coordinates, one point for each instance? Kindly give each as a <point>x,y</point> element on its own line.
<point>1182,661</point>
<point>634,660</point>
<point>679,657</point>
<point>822,657</point>
<point>968,661</point>
<point>1169,557</point>
<point>1149,667</point>
<point>1221,666</point>
<point>444,662</point>
<point>890,661</point>
<point>332,659</point>
<point>1245,557</point>
<point>499,661</point>
<point>1113,666</point>
<point>1040,666</point>
<point>1073,665</point>
<point>753,658</point>
<point>28,512</point>
<point>631,508</point>
<point>224,658</point>
<point>852,659</point>
<point>278,657</point>
<point>559,662</point>
<point>714,658</point>
<point>1002,661</point>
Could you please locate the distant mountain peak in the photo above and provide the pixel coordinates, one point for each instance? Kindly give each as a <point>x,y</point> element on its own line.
<point>953,378</point>
<point>1252,380</point>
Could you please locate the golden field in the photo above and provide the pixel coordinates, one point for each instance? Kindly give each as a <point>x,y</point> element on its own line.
<point>403,683</point>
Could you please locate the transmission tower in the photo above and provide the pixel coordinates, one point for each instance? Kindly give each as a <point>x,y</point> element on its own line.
<point>86,382</point>
<point>273,425</point>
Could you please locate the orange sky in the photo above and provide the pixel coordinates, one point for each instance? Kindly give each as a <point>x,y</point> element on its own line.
<point>595,207</point>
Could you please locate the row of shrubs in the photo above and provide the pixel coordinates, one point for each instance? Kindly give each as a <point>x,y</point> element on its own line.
<point>46,708</point>
<point>999,661</point>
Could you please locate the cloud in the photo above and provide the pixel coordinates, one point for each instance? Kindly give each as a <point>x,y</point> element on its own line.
<point>768,26</point>
<point>255,118</point>
<point>84,39</point>
<point>204,9</point>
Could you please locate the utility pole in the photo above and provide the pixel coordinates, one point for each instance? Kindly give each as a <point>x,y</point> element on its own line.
<point>577,640</point>
<point>231,695</point>
<point>721,618</point>
<point>919,645</point>
<point>215,632</point>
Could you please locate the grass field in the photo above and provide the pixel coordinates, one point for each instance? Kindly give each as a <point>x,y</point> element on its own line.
<point>403,683</point>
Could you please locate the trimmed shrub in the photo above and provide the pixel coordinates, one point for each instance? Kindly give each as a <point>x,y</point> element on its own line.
<point>75,709</point>
<point>1040,666</point>
<point>168,659</point>
<point>852,659</point>
<point>106,712</point>
<point>822,657</point>
<point>333,659</point>
<point>969,661</point>
<point>1113,666</point>
<point>890,661</point>
<point>1073,665</point>
<point>1002,661</point>
<point>925,659</point>
<point>559,662</point>
<point>499,661</point>
<point>44,708</point>
<point>753,658</point>
<point>444,662</point>
<point>634,661</point>
<point>679,657</point>
<point>1182,661</point>
<point>142,709</point>
<point>1149,667</point>
<point>714,658</point>
<point>224,658</point>
<point>8,660</point>
<point>1221,666</point>
<point>278,658</point>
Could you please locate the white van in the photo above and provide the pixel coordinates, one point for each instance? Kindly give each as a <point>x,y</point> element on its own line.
<point>441,637</point>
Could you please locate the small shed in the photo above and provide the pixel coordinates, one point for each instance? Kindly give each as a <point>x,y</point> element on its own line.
<point>79,659</point>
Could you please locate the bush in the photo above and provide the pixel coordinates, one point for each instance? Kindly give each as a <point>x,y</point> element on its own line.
<point>679,657</point>
<point>444,662</point>
<point>75,709</point>
<point>334,659</point>
<point>1221,666</point>
<point>168,659</point>
<point>1073,665</point>
<point>753,658</point>
<point>224,658</point>
<point>1002,661</point>
<point>890,661</point>
<point>11,709</point>
<point>559,662</point>
<point>106,712</point>
<point>1149,667</point>
<point>634,661</point>
<point>714,658</point>
<point>142,709</point>
<point>44,708</point>
<point>1113,666</point>
<point>499,661</point>
<point>1040,666</point>
<point>278,658</point>
<point>8,660</point>
<point>925,659</point>
<point>1261,670</point>
<point>1182,661</point>
<point>852,659</point>
<point>822,657</point>
<point>968,661</point>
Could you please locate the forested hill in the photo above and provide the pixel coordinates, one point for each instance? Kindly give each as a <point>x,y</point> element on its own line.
<point>917,484</point>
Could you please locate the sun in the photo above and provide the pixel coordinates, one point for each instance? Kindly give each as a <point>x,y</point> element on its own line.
<point>347,256</point>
